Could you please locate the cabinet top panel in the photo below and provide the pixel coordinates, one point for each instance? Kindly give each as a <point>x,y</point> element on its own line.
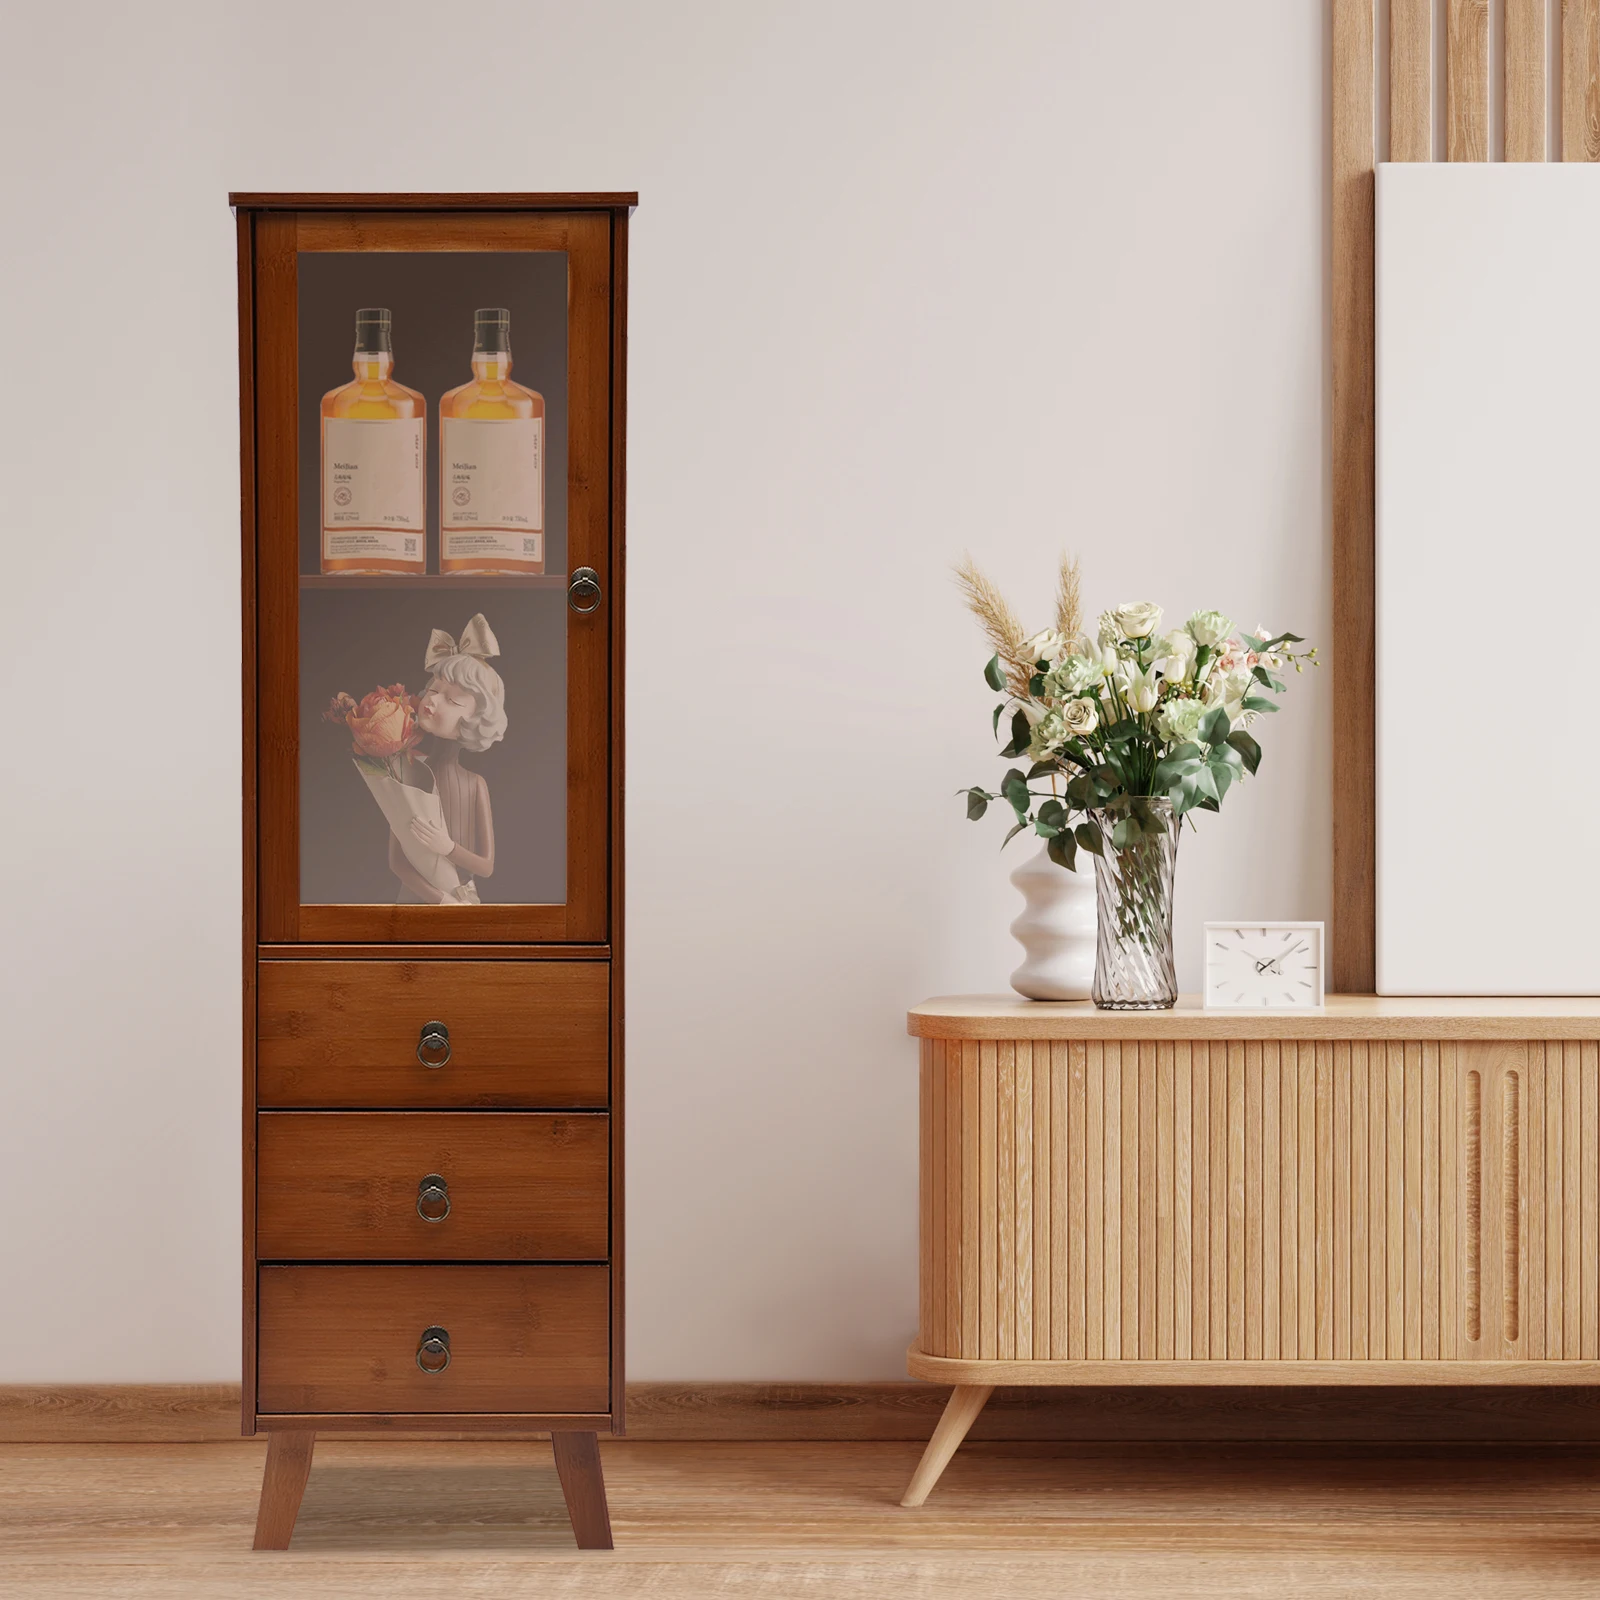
<point>1347,1016</point>
<point>598,201</point>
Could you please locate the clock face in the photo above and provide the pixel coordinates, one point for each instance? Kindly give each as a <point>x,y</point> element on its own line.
<point>1264,966</point>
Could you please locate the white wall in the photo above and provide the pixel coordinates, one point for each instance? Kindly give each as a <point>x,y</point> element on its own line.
<point>907,278</point>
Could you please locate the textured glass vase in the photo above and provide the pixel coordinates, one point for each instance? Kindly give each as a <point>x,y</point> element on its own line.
<point>1133,968</point>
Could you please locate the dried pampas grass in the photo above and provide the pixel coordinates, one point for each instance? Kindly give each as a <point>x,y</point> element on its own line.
<point>1000,624</point>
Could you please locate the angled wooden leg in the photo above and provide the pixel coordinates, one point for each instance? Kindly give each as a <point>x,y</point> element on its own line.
<point>282,1485</point>
<point>960,1412</point>
<point>578,1466</point>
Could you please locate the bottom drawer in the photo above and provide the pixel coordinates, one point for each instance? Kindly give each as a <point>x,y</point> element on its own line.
<point>352,1339</point>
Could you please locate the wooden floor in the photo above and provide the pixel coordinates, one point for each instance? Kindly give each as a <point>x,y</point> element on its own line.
<point>820,1521</point>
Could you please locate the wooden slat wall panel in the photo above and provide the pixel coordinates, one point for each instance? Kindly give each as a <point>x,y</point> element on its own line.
<point>1224,1201</point>
<point>1580,80</point>
<point>1466,80</point>
<point>1410,80</point>
<point>1524,80</point>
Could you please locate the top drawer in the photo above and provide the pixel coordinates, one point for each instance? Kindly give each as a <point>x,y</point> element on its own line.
<point>347,1033</point>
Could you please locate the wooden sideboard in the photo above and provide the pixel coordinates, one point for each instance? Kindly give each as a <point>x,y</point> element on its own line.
<point>1390,1191</point>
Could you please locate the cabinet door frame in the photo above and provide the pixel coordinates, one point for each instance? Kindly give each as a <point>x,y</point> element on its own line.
<point>277,237</point>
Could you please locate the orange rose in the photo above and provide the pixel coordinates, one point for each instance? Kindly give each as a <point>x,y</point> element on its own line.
<point>384,723</point>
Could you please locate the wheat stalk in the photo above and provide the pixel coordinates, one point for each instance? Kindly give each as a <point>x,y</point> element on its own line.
<point>999,621</point>
<point>1069,598</point>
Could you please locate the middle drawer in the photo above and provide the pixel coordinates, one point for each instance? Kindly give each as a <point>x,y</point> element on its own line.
<point>432,1186</point>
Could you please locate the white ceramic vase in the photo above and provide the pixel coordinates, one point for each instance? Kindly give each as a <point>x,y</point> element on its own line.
<point>1056,929</point>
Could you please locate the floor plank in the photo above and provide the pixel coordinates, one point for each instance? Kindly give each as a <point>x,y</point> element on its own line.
<point>815,1520</point>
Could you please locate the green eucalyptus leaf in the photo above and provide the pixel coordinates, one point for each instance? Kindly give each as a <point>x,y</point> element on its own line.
<point>992,675</point>
<point>1214,726</point>
<point>977,802</point>
<point>1036,686</point>
<point>1012,834</point>
<point>1249,750</point>
<point>1015,788</point>
<point>1053,813</point>
<point>1256,702</point>
<point>1042,769</point>
<point>1063,850</point>
<point>995,729</point>
<point>1088,836</point>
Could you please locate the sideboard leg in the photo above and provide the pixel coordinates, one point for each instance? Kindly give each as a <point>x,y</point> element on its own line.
<point>282,1485</point>
<point>578,1466</point>
<point>960,1412</point>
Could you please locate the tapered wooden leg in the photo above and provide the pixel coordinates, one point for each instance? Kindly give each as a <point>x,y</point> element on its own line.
<point>960,1412</point>
<point>282,1485</point>
<point>578,1466</point>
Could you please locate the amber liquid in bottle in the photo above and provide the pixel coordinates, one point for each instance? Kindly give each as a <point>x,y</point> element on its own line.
<point>491,463</point>
<point>374,463</point>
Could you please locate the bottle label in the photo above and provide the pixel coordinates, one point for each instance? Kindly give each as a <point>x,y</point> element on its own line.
<point>372,489</point>
<point>491,482</point>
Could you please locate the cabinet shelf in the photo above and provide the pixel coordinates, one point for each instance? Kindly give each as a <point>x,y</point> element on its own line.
<point>433,580</point>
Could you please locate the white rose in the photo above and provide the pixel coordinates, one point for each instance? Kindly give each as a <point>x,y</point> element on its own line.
<point>1178,651</point>
<point>1210,628</point>
<point>1180,720</point>
<point>1046,646</point>
<point>1138,619</point>
<point>1073,677</point>
<point>1080,717</point>
<point>1047,737</point>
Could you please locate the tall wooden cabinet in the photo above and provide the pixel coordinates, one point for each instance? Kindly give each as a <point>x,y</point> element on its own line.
<point>432,393</point>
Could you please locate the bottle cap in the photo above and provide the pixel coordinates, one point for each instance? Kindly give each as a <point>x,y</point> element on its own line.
<point>372,328</point>
<point>491,328</point>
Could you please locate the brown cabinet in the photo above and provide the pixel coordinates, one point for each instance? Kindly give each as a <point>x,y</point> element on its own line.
<point>432,442</point>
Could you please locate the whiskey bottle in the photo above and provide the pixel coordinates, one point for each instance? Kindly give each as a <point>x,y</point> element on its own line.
<point>374,463</point>
<point>491,463</point>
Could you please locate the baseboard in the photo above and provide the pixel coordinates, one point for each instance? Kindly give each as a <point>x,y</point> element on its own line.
<point>189,1413</point>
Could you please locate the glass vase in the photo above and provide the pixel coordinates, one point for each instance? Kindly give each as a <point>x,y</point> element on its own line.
<point>1133,968</point>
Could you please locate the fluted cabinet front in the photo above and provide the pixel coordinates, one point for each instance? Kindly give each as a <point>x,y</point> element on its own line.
<point>1232,1200</point>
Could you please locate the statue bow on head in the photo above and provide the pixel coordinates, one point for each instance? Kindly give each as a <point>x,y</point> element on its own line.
<point>477,639</point>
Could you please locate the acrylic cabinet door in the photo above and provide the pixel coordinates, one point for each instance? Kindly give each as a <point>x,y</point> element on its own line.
<point>435,397</point>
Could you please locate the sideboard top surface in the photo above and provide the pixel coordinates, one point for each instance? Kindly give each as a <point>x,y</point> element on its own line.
<point>995,1016</point>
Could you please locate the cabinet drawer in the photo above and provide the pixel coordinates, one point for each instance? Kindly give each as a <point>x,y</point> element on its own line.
<point>347,1033</point>
<point>520,1339</point>
<point>512,1186</point>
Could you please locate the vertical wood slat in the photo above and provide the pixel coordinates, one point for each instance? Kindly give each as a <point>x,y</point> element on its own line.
<point>1306,1207</point>
<point>1466,80</point>
<point>1533,1122</point>
<point>1271,1201</point>
<point>988,1199</point>
<point>1360,1235</point>
<point>1410,80</point>
<point>1554,1233</point>
<point>1023,1317</point>
<point>927,1256</point>
<point>970,1275</point>
<point>1254,1269</point>
<point>1449,1206</point>
<point>1580,82</point>
<point>1472,1140</point>
<point>1075,1177</point>
<point>1200,1316</point>
<point>1589,1067</point>
<point>1341,1200</point>
<point>1524,83</point>
<point>1005,1207</point>
<point>1377,1202</point>
<point>1060,1226</point>
<point>1411,1346</point>
<point>1113,1190</point>
<point>1146,1302</point>
<point>1166,1221</point>
<point>1395,1202</point>
<point>1572,1201</point>
<point>1430,1201</point>
<point>1289,1216</point>
<point>1095,1207</point>
<point>1352,966</point>
<point>1323,1192</point>
<point>1183,1200</point>
<point>1235,1207</point>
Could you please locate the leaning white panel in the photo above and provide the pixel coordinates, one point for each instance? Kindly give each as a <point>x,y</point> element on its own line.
<point>1488,578</point>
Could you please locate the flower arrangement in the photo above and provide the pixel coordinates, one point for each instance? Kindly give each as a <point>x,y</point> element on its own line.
<point>383,730</point>
<point>1124,717</point>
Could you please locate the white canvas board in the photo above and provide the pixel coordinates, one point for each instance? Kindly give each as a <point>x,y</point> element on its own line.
<point>1488,576</point>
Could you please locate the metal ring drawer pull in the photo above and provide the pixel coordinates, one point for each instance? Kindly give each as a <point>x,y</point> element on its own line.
<point>435,1038</point>
<point>433,1192</point>
<point>433,1353</point>
<point>583,592</point>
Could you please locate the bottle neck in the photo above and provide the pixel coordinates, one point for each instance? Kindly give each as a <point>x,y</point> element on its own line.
<point>491,366</point>
<point>373,366</point>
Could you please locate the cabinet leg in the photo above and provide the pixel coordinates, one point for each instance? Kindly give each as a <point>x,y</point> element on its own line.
<point>960,1412</point>
<point>282,1485</point>
<point>578,1466</point>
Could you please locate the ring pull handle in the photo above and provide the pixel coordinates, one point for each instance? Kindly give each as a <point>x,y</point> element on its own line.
<point>583,591</point>
<point>433,1048</point>
<point>432,1194</point>
<point>433,1353</point>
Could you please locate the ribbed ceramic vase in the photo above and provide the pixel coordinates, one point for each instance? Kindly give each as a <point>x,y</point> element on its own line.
<point>1055,930</point>
<point>1133,969</point>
